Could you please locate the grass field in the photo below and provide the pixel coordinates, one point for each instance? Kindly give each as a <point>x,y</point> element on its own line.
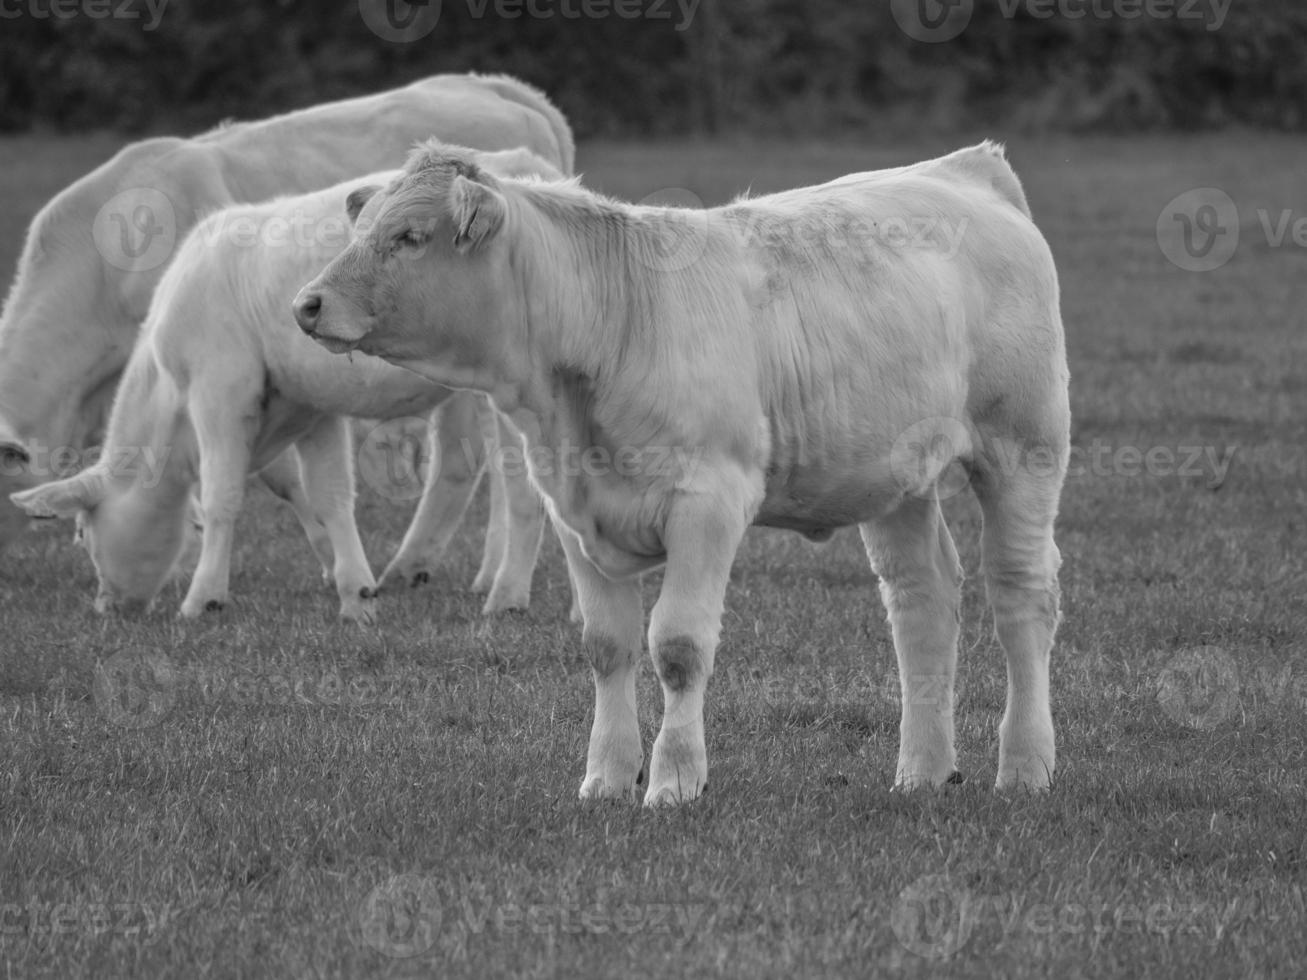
<point>302,798</point>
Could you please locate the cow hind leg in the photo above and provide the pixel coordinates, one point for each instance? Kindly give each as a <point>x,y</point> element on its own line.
<point>613,615</point>
<point>326,468</point>
<point>1020,562</point>
<point>492,554</point>
<point>523,517</point>
<point>912,553</point>
<point>282,477</point>
<point>454,471</point>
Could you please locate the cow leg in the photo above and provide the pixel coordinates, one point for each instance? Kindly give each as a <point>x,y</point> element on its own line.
<point>327,470</point>
<point>1020,563</point>
<point>611,639</point>
<point>223,437</point>
<point>574,613</point>
<point>492,555</point>
<point>701,539</point>
<point>282,477</point>
<point>451,481</point>
<point>921,585</point>
<point>523,517</point>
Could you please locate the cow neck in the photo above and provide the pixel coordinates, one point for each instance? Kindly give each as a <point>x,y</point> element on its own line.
<point>148,440</point>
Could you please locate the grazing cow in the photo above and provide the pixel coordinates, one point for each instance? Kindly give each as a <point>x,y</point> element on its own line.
<point>96,251</point>
<point>222,382</point>
<point>779,361</point>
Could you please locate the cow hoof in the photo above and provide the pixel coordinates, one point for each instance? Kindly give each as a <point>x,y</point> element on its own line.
<point>957,779</point>
<point>671,796</point>
<point>360,606</point>
<point>214,605</point>
<point>419,578</point>
<point>505,601</point>
<point>597,788</point>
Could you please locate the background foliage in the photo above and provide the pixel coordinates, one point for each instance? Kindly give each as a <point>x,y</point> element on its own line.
<point>771,66</point>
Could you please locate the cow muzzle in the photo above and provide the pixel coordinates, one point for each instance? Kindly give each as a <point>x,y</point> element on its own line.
<point>321,318</point>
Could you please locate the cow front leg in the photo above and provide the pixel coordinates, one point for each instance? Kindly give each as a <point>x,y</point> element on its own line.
<point>613,615</point>
<point>326,466</point>
<point>912,553</point>
<point>701,538</point>
<point>223,439</point>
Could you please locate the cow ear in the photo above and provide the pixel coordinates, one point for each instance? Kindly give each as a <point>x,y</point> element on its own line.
<point>62,498</point>
<point>478,212</point>
<point>358,197</point>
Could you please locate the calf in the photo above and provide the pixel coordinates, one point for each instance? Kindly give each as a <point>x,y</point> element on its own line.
<point>95,253</point>
<point>222,382</point>
<point>805,360</point>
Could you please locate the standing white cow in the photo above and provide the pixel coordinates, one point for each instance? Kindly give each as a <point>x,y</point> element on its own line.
<point>779,361</point>
<point>222,382</point>
<point>94,254</point>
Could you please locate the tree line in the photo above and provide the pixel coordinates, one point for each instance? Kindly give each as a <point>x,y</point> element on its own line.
<point>660,67</point>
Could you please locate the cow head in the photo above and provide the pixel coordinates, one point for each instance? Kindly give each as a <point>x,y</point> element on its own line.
<point>427,276</point>
<point>135,540</point>
<point>14,476</point>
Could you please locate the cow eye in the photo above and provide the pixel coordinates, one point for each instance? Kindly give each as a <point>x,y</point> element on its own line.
<point>410,238</point>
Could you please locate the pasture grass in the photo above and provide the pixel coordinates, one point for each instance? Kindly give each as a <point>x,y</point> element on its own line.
<point>297,797</point>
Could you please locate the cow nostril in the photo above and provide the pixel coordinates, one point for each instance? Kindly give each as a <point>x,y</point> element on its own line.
<point>307,310</point>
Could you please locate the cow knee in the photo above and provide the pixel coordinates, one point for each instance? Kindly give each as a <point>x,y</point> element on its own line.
<point>680,663</point>
<point>605,652</point>
<point>1026,590</point>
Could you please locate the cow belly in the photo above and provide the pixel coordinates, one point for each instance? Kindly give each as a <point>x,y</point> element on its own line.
<point>816,502</point>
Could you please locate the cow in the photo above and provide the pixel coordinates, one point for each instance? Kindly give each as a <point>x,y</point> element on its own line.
<point>779,361</point>
<point>222,383</point>
<point>94,254</point>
